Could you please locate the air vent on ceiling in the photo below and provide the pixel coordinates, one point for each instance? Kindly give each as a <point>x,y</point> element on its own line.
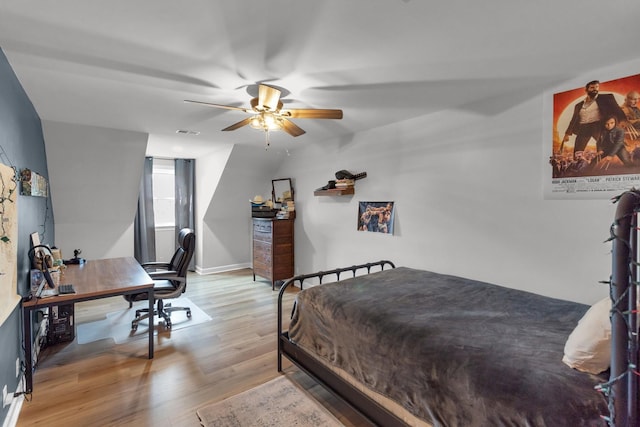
<point>187,132</point>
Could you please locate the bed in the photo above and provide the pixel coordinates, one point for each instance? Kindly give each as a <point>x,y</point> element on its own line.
<point>412,347</point>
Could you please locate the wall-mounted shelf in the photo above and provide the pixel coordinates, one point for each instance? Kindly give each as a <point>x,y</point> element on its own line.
<point>335,192</point>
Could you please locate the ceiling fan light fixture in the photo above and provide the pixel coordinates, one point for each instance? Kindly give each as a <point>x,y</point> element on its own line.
<point>266,121</point>
<point>255,122</point>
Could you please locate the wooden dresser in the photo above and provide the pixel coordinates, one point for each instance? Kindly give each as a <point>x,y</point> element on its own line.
<point>273,249</point>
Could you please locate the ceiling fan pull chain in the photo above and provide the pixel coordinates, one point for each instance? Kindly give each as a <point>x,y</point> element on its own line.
<point>268,143</point>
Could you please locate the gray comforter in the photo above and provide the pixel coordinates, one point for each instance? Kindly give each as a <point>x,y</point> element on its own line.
<point>453,351</point>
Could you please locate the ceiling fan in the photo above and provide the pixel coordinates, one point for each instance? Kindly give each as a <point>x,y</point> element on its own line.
<point>268,115</point>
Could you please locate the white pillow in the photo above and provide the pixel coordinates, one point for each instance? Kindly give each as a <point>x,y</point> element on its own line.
<point>588,348</point>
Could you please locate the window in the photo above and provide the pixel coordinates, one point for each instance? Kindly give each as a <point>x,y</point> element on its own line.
<point>164,192</point>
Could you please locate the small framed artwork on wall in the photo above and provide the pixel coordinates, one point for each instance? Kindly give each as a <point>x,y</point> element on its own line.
<point>376,217</point>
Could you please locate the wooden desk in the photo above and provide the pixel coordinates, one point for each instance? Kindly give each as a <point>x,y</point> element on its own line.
<point>94,279</point>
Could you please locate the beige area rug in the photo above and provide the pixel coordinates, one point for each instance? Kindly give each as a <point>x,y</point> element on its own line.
<point>278,402</point>
<point>117,325</point>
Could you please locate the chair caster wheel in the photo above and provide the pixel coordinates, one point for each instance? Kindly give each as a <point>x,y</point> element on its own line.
<point>189,313</point>
<point>134,326</point>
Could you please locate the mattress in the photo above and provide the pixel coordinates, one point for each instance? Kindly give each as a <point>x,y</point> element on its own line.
<point>451,351</point>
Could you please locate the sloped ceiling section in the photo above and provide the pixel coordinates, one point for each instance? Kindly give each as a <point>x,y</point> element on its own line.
<point>226,224</point>
<point>102,167</point>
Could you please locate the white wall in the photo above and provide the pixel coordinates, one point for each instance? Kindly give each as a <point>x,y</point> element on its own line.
<point>468,194</point>
<point>467,186</point>
<point>224,195</point>
<point>94,176</point>
<point>209,169</point>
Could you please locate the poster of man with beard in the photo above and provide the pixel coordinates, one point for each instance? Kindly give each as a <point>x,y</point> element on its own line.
<point>595,149</point>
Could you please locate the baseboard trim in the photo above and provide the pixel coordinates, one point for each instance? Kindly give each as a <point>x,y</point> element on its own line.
<point>222,269</point>
<point>14,412</point>
<point>11,420</point>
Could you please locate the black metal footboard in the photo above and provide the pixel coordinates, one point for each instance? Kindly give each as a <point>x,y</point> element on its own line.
<point>622,388</point>
<point>320,373</point>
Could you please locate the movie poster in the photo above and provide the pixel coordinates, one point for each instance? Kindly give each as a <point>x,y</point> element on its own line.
<point>595,141</point>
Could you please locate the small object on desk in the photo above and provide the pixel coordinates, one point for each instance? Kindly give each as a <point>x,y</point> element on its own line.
<point>75,259</point>
<point>66,289</point>
<point>46,293</point>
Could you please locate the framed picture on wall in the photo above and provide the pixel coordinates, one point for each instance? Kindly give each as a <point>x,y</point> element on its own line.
<point>376,217</point>
<point>593,143</point>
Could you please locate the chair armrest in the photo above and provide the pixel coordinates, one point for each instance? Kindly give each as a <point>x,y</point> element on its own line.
<point>155,266</point>
<point>171,277</point>
<point>155,274</point>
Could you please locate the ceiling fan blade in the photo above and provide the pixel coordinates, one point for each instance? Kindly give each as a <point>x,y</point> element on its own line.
<point>238,125</point>
<point>227,107</point>
<point>268,97</point>
<point>310,113</point>
<point>291,128</point>
<point>256,107</point>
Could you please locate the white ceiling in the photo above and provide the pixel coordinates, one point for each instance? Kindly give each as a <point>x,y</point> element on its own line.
<point>129,64</point>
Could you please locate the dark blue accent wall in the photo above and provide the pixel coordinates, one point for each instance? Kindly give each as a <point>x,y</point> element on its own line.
<point>21,146</point>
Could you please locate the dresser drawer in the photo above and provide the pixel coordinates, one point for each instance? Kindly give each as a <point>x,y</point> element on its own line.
<point>262,230</point>
<point>262,226</point>
<point>262,252</point>
<point>263,270</point>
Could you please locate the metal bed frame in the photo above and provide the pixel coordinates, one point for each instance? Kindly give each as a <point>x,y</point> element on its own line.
<point>622,389</point>
<point>337,385</point>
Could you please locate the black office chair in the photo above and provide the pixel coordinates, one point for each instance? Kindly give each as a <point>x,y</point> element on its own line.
<point>170,281</point>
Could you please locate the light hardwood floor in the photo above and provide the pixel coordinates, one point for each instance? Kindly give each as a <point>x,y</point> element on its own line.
<point>103,383</point>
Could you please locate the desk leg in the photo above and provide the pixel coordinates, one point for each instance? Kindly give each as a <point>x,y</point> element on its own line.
<point>151,322</point>
<point>28,374</point>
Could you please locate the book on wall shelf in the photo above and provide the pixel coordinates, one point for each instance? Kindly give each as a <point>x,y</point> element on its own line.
<point>345,183</point>
<point>335,191</point>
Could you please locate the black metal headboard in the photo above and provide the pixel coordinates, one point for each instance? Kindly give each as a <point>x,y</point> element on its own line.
<point>622,388</point>
<point>337,272</point>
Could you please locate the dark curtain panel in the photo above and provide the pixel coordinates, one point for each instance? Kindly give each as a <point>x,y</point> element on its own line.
<point>185,188</point>
<point>144,225</point>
